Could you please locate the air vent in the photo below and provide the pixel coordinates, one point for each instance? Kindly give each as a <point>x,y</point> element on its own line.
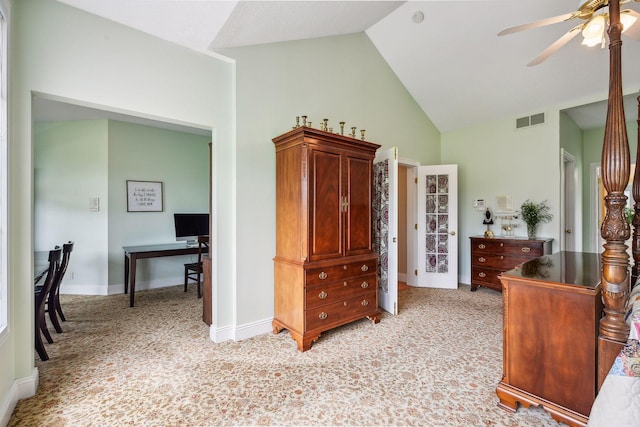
<point>535,119</point>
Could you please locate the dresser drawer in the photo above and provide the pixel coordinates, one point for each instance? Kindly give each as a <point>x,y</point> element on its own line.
<point>339,291</point>
<point>327,316</point>
<point>315,276</point>
<point>530,248</point>
<point>502,262</point>
<point>486,276</point>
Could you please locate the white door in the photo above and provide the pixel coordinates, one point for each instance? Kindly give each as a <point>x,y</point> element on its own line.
<point>437,224</point>
<point>385,227</point>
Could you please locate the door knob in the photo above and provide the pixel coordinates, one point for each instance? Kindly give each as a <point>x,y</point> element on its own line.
<point>568,231</point>
<point>453,233</point>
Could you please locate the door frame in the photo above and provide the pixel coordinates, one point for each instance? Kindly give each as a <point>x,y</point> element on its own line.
<point>568,218</point>
<point>412,238</point>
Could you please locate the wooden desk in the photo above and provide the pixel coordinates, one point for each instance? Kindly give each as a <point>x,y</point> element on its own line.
<point>134,253</point>
<point>552,308</point>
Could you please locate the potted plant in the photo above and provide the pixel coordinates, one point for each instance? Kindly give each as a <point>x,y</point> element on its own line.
<point>533,214</point>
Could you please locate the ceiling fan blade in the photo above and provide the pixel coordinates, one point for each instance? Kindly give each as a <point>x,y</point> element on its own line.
<point>541,23</point>
<point>556,45</point>
<point>634,30</point>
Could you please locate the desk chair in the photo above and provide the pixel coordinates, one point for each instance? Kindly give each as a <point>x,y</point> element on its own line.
<point>41,298</point>
<point>193,271</point>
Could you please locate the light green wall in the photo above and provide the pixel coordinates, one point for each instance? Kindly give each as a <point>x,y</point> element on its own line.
<point>592,154</point>
<point>71,166</point>
<point>68,54</point>
<point>496,159</point>
<point>181,162</point>
<point>340,78</point>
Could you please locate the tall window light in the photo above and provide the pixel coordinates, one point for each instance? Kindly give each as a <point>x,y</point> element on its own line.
<point>4,299</point>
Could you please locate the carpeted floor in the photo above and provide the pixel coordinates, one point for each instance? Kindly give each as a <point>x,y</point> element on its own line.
<point>437,363</point>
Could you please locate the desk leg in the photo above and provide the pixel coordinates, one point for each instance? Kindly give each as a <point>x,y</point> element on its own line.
<point>126,273</point>
<point>132,279</point>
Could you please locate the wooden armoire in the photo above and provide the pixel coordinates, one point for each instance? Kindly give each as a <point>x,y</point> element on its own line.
<point>325,270</point>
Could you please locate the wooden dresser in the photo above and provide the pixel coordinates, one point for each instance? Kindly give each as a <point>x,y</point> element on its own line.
<point>552,308</point>
<point>325,270</point>
<point>490,257</point>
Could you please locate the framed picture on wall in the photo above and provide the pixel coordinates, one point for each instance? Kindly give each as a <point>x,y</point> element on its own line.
<point>144,196</point>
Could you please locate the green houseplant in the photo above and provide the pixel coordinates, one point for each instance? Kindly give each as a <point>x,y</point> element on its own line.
<point>533,214</point>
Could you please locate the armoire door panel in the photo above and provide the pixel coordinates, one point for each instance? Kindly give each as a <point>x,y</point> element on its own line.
<point>358,194</point>
<point>326,205</point>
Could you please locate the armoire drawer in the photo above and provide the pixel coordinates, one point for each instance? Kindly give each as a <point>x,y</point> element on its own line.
<point>339,291</point>
<point>326,316</point>
<point>315,276</point>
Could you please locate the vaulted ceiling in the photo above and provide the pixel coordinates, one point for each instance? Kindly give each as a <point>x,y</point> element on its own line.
<point>446,53</point>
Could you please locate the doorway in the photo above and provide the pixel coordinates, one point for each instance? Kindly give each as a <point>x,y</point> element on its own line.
<point>73,146</point>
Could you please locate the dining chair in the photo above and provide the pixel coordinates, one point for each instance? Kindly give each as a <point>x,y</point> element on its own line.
<point>53,301</point>
<point>41,293</point>
<point>193,270</point>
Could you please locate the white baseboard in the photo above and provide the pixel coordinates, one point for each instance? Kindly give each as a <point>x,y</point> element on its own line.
<point>21,388</point>
<point>221,334</point>
<point>253,329</point>
<point>118,288</point>
<point>239,333</point>
<point>402,277</point>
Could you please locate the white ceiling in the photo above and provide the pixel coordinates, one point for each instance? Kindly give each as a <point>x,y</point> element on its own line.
<point>453,63</point>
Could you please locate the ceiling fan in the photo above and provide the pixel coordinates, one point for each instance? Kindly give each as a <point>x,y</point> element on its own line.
<point>595,14</point>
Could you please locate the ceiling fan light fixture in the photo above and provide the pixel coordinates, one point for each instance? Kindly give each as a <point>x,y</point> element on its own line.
<point>593,32</point>
<point>627,20</point>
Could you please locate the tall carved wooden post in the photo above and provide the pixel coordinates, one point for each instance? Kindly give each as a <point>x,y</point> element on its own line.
<point>615,229</point>
<point>635,245</point>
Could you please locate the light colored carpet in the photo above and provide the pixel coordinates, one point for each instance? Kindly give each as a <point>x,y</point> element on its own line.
<point>437,363</point>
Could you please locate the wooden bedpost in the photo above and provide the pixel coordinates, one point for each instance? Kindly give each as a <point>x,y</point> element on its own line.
<point>635,242</point>
<point>615,229</point>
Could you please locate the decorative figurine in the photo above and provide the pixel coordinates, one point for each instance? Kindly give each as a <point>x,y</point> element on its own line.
<point>297,123</point>
<point>353,132</point>
<point>325,128</point>
<point>341,128</point>
<point>362,131</point>
<point>488,221</point>
<point>304,120</point>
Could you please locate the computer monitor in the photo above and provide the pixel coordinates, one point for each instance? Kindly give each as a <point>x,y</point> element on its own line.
<point>191,225</point>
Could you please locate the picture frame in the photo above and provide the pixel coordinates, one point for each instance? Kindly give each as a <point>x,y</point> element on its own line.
<point>144,196</point>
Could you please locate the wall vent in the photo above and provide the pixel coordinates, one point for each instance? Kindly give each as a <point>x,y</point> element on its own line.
<point>535,119</point>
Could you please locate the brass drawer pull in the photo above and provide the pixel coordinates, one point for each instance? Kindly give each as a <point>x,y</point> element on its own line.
<point>344,267</point>
<point>364,303</point>
<point>322,295</point>
<point>482,274</point>
<point>501,256</point>
<point>365,267</point>
<point>364,285</point>
<point>481,246</point>
<point>526,250</point>
<point>322,275</point>
<point>322,315</point>
<point>482,259</point>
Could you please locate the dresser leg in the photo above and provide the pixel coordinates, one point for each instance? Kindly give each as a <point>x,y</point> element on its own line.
<point>375,318</point>
<point>474,287</point>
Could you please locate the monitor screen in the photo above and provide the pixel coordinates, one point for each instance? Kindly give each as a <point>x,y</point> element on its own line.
<point>191,225</point>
